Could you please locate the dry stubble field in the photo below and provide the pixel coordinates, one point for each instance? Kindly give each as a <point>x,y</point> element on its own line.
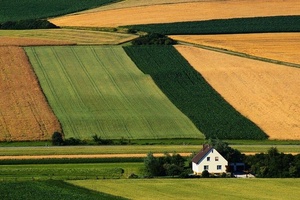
<point>24,112</point>
<point>190,11</point>
<point>268,94</point>
<point>277,46</point>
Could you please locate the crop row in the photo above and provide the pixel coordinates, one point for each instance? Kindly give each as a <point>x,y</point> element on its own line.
<point>225,26</point>
<point>190,92</point>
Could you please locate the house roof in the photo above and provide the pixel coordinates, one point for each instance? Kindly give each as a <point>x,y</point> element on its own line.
<point>202,153</point>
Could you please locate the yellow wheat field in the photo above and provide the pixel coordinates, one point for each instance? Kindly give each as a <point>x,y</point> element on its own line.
<point>191,11</point>
<point>278,46</point>
<point>60,37</point>
<point>267,94</point>
<point>24,111</point>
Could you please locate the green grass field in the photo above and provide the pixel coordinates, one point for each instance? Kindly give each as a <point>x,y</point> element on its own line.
<point>73,36</point>
<point>225,26</point>
<point>22,172</point>
<point>14,10</point>
<point>50,190</point>
<point>190,92</point>
<point>99,90</point>
<point>197,188</point>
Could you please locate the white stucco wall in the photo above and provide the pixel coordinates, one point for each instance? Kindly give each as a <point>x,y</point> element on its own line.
<point>212,164</point>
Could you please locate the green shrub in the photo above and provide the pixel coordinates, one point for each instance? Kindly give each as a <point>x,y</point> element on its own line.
<point>153,39</point>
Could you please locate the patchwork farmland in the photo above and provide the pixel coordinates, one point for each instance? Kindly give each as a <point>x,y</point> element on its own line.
<point>256,89</point>
<point>99,90</point>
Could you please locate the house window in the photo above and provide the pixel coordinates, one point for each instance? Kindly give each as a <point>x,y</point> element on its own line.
<point>208,158</point>
<point>205,167</point>
<point>219,167</point>
<point>216,158</point>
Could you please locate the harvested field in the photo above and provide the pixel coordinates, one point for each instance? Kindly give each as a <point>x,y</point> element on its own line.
<point>268,94</point>
<point>192,11</point>
<point>61,37</point>
<point>29,41</point>
<point>278,46</point>
<point>24,112</point>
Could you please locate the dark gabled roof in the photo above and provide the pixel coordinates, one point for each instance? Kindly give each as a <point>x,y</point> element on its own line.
<point>202,153</point>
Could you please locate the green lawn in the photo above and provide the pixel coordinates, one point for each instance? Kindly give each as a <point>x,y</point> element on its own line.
<point>173,189</point>
<point>99,90</point>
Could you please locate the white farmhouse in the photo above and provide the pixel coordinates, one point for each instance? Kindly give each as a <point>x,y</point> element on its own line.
<point>209,159</point>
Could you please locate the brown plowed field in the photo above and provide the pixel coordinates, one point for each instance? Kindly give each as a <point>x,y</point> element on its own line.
<point>191,11</point>
<point>278,46</point>
<point>24,112</point>
<point>268,94</point>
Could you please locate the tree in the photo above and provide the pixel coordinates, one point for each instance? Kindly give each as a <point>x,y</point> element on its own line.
<point>57,139</point>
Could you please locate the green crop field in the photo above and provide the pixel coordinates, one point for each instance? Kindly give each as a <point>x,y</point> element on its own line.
<point>189,91</point>
<point>197,188</point>
<point>99,90</point>
<point>50,190</point>
<point>225,26</point>
<point>14,10</point>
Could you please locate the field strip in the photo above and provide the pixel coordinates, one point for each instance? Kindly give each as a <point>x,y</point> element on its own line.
<point>192,11</point>
<point>140,155</point>
<point>256,89</point>
<point>278,48</point>
<point>240,54</point>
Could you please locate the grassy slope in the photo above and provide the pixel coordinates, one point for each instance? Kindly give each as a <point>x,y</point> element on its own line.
<point>188,90</point>
<point>40,190</point>
<point>226,26</point>
<point>198,188</point>
<point>13,10</point>
<point>99,90</point>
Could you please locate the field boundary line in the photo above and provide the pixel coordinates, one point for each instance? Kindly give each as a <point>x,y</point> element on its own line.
<point>240,54</point>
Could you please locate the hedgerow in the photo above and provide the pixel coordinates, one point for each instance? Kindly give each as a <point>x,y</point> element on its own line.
<point>225,26</point>
<point>190,92</point>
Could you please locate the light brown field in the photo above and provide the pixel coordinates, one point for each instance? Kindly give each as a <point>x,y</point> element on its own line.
<point>278,46</point>
<point>191,11</point>
<point>24,112</point>
<point>267,94</point>
<point>61,37</point>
